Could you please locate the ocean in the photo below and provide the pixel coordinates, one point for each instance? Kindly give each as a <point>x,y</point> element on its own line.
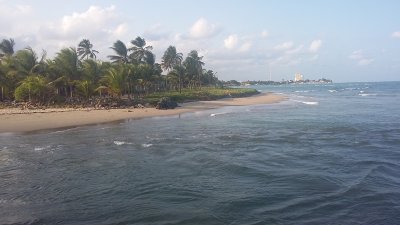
<point>329,154</point>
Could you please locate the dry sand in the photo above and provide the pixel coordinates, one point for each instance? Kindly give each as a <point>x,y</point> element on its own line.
<point>17,120</point>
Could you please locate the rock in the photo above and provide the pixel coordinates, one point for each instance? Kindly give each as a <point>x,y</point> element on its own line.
<point>166,103</point>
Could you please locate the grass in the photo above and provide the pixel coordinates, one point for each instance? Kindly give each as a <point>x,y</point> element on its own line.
<point>203,94</point>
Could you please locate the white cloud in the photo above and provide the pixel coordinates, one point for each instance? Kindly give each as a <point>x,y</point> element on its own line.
<point>360,58</point>
<point>231,41</point>
<point>315,46</point>
<point>156,33</point>
<point>203,29</point>
<point>264,34</point>
<point>120,30</point>
<point>241,44</point>
<point>24,9</point>
<point>314,58</point>
<point>294,50</point>
<point>396,34</point>
<point>245,46</point>
<point>95,22</point>
<point>284,46</point>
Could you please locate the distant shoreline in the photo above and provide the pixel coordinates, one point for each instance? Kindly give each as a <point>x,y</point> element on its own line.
<point>14,120</point>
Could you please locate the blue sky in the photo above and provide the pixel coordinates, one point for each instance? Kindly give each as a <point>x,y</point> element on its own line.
<point>342,40</point>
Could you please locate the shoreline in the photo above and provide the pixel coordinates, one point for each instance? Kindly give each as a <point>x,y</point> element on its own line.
<point>15,120</point>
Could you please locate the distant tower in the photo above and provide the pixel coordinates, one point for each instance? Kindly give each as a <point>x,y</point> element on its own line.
<point>298,77</point>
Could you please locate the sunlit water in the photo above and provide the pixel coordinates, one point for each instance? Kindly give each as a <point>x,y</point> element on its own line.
<point>330,154</point>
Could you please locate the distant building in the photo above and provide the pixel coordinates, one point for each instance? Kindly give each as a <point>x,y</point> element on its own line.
<point>298,77</point>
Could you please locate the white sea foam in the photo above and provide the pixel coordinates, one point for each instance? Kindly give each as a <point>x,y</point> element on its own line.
<point>310,103</point>
<point>331,91</point>
<point>41,148</point>
<point>307,102</point>
<point>146,145</point>
<point>119,143</point>
<point>364,94</point>
<point>217,114</point>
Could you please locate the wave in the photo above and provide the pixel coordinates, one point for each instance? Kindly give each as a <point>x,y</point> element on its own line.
<point>41,148</point>
<point>365,94</point>
<point>332,91</point>
<point>146,145</point>
<point>217,114</point>
<point>307,103</point>
<point>121,143</point>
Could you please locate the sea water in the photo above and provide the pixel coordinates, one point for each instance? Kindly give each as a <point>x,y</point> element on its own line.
<point>329,154</point>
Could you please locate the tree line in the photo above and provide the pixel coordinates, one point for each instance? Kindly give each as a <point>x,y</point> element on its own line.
<point>74,73</point>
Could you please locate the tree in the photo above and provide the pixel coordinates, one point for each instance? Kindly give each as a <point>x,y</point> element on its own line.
<point>85,50</point>
<point>7,47</point>
<point>194,66</point>
<point>140,52</point>
<point>33,88</point>
<point>28,61</point>
<point>171,58</point>
<point>178,73</point>
<point>115,80</point>
<point>121,53</point>
<point>67,67</point>
<point>91,71</point>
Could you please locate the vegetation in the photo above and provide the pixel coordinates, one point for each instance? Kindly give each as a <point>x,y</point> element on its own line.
<point>75,74</point>
<point>204,94</point>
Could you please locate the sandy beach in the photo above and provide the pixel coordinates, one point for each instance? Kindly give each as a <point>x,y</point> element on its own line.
<point>17,120</point>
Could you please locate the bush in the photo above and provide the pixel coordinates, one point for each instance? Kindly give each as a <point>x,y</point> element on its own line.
<point>32,88</point>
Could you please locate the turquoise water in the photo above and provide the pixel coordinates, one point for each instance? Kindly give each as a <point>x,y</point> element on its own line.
<point>330,154</point>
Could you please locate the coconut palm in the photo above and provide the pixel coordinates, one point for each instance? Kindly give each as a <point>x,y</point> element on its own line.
<point>67,68</point>
<point>116,80</point>
<point>85,50</point>
<point>171,58</point>
<point>194,66</point>
<point>28,61</point>
<point>140,52</point>
<point>178,73</point>
<point>92,72</point>
<point>121,53</point>
<point>7,47</point>
<point>33,88</point>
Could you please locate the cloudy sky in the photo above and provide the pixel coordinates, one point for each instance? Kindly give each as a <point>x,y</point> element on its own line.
<point>243,40</point>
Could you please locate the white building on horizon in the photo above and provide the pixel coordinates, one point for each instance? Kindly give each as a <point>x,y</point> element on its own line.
<point>298,77</point>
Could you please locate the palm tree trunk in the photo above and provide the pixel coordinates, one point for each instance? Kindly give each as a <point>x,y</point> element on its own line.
<point>70,90</point>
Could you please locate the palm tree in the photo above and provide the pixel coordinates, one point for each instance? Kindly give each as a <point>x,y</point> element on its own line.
<point>7,47</point>
<point>85,49</point>
<point>34,87</point>
<point>194,66</point>
<point>67,67</point>
<point>115,80</point>
<point>140,52</point>
<point>171,58</point>
<point>28,61</point>
<point>92,71</point>
<point>178,73</point>
<point>121,53</point>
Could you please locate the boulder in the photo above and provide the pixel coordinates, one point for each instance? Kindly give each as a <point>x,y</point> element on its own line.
<point>166,103</point>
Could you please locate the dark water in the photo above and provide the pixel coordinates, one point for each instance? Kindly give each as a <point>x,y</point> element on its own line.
<point>328,155</point>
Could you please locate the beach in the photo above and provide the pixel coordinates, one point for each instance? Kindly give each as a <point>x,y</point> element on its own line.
<point>17,120</point>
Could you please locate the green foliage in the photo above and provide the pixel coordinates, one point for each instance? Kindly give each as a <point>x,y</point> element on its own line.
<point>204,94</point>
<point>33,88</point>
<point>131,72</point>
<point>85,49</point>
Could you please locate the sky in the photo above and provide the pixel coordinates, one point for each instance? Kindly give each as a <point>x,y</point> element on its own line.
<point>346,41</point>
